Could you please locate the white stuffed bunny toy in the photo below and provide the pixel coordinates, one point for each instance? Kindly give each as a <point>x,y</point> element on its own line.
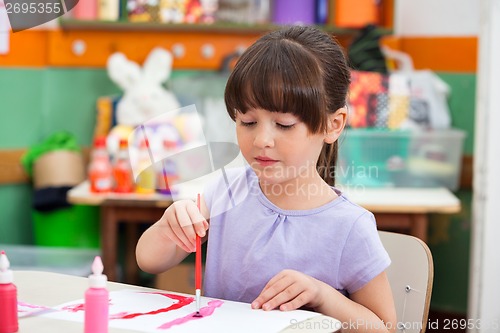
<point>144,96</point>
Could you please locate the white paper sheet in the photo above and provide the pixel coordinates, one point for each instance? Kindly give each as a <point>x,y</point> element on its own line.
<point>146,312</point>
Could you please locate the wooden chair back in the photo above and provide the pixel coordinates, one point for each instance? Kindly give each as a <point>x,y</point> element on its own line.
<point>410,275</point>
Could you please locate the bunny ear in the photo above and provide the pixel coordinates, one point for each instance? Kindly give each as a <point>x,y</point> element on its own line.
<point>123,72</point>
<point>158,66</point>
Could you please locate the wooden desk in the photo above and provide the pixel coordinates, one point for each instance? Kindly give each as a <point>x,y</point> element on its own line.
<point>396,209</point>
<point>405,209</point>
<point>52,289</point>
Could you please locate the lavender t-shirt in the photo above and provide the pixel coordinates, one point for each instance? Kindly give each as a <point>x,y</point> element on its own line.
<point>250,240</point>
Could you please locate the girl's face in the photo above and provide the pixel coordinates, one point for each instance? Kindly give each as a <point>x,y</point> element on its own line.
<point>278,146</point>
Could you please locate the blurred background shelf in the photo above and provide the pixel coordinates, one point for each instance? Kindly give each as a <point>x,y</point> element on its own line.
<point>214,28</point>
<point>90,43</point>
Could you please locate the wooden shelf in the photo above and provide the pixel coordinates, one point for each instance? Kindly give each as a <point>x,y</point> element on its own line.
<point>135,40</point>
<point>216,28</point>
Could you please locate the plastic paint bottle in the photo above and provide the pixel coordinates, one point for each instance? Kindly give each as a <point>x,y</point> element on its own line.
<point>122,171</point>
<point>146,181</point>
<point>96,301</point>
<point>100,169</point>
<point>8,297</point>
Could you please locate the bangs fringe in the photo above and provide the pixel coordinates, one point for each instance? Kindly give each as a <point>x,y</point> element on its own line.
<point>279,77</point>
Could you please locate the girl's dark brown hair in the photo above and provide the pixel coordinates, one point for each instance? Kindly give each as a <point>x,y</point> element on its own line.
<point>299,70</point>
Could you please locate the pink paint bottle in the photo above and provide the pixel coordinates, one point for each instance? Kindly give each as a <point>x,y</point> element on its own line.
<point>8,297</point>
<point>97,300</point>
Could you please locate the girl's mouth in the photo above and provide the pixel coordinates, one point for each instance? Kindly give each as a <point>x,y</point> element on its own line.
<point>265,161</point>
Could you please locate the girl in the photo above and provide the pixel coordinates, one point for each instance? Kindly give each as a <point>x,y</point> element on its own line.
<point>291,239</point>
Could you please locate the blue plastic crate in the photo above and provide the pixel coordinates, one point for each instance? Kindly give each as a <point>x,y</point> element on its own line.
<point>400,158</point>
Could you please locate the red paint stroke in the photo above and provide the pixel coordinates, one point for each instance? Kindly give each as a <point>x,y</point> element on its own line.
<point>182,301</point>
<point>74,307</point>
<point>32,306</point>
<point>118,315</point>
<point>204,311</point>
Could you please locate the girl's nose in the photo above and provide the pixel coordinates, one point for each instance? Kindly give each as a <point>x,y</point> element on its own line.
<point>264,138</point>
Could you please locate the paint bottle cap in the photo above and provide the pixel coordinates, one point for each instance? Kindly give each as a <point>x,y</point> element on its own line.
<point>97,279</point>
<point>6,275</point>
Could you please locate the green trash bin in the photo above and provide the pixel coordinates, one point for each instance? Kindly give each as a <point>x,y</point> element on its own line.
<point>74,226</point>
<point>56,164</point>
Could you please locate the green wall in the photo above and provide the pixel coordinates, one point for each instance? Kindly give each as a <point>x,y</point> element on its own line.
<point>35,103</point>
<point>449,235</point>
<point>449,241</point>
<point>462,104</point>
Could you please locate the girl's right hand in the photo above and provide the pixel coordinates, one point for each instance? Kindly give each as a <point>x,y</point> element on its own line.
<point>183,221</point>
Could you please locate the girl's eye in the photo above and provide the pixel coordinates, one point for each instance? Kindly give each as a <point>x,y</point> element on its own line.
<point>285,127</point>
<point>248,123</point>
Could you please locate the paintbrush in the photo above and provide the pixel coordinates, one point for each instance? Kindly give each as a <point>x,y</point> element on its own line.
<point>197,273</point>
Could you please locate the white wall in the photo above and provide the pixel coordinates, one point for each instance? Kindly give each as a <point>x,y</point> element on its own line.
<point>484,286</point>
<point>436,17</point>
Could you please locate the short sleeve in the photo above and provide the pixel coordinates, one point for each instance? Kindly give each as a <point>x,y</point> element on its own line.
<point>364,257</point>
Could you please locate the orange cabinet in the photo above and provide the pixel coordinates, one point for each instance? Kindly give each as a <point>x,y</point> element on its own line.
<point>358,13</point>
<point>192,49</point>
<point>27,49</point>
<point>89,44</point>
<point>440,54</point>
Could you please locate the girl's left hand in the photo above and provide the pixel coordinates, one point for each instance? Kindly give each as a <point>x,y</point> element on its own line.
<point>290,290</point>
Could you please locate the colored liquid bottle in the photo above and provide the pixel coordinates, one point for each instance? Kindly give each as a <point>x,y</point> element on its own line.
<point>146,181</point>
<point>85,10</point>
<point>321,12</point>
<point>96,318</point>
<point>100,169</point>
<point>122,171</point>
<point>8,297</point>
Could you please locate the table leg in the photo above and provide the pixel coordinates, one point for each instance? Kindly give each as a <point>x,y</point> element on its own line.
<point>109,236</point>
<point>131,269</point>
<point>419,226</point>
<point>415,224</point>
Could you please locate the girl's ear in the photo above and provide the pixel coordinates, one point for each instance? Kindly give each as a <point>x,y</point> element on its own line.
<point>336,124</point>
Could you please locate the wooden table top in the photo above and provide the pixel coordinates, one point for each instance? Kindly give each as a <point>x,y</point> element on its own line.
<point>377,200</point>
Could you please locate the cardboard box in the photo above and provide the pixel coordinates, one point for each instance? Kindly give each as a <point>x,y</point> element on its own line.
<point>58,168</point>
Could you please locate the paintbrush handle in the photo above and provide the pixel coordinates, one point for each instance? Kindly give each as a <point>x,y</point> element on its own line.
<point>198,263</point>
<point>198,255</point>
